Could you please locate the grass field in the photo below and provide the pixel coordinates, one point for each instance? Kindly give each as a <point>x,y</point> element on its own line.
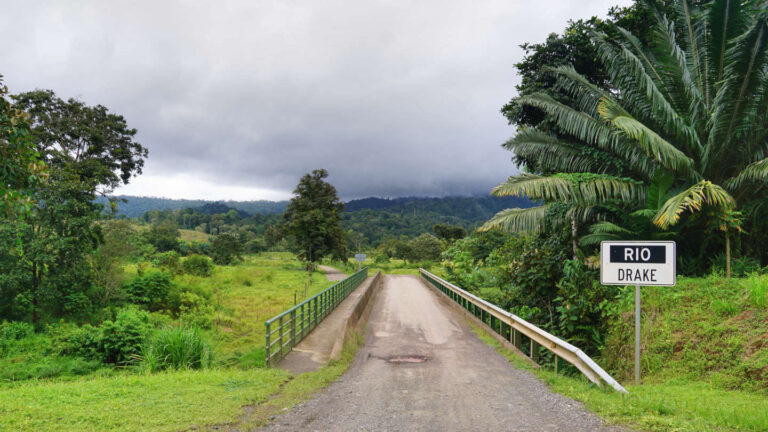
<point>247,294</point>
<point>193,236</point>
<point>244,296</point>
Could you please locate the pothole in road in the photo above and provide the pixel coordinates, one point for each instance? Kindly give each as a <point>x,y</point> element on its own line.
<point>407,359</point>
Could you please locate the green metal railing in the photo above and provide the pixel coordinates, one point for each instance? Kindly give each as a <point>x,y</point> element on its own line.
<point>513,328</point>
<point>286,330</point>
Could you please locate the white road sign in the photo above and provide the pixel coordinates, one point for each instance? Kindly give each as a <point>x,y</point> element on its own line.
<point>638,263</point>
<point>360,257</point>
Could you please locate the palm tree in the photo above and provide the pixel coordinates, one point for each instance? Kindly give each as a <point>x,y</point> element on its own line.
<point>692,107</point>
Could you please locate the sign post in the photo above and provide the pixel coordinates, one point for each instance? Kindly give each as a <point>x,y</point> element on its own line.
<point>639,263</point>
<point>359,258</point>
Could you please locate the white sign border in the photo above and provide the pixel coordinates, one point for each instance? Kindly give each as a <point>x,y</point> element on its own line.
<point>642,242</point>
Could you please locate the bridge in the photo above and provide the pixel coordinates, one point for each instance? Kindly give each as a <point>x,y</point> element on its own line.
<point>422,367</point>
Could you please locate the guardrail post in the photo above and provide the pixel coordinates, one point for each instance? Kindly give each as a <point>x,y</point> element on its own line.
<point>268,345</point>
<point>534,351</point>
<point>293,328</point>
<point>280,344</point>
<point>516,339</point>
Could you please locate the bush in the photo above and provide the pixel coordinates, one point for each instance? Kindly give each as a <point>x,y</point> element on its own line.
<point>70,340</point>
<point>198,265</point>
<point>195,310</point>
<point>122,339</point>
<point>381,259</point>
<point>177,348</point>
<point>150,290</point>
<point>169,261</point>
<point>15,330</point>
<point>740,266</point>
<point>226,249</point>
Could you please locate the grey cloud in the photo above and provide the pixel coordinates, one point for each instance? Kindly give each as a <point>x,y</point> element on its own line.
<point>393,98</point>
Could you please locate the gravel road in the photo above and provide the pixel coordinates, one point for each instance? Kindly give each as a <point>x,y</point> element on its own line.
<point>331,273</point>
<point>422,369</point>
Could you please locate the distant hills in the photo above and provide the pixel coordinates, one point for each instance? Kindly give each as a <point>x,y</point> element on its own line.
<point>136,206</point>
<point>461,210</point>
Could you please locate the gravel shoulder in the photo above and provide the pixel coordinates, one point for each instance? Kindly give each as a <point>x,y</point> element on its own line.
<point>423,369</point>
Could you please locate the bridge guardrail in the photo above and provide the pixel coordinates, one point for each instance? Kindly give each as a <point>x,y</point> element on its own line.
<point>511,326</point>
<point>294,324</point>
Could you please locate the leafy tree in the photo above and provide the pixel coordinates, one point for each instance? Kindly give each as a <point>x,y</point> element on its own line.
<point>21,169</point>
<point>48,272</point>
<point>312,219</point>
<point>690,105</point>
<point>89,140</point>
<point>425,247</point>
<point>118,241</point>
<point>164,236</point>
<point>226,249</point>
<point>449,233</point>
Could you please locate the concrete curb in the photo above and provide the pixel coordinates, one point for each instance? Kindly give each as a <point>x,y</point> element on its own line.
<point>358,317</point>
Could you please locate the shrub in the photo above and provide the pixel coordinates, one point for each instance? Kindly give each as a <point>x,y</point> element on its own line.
<point>123,338</point>
<point>740,266</point>
<point>70,340</point>
<point>381,259</point>
<point>15,330</point>
<point>169,261</point>
<point>150,290</point>
<point>177,348</point>
<point>195,310</point>
<point>198,265</point>
<point>226,249</point>
<point>757,291</point>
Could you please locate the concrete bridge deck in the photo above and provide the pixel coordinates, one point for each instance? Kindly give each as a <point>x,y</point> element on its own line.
<point>423,369</point>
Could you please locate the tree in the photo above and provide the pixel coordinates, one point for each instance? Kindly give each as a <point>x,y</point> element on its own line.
<point>449,233</point>
<point>164,236</point>
<point>312,219</point>
<point>425,247</point>
<point>226,249</point>
<point>690,105</point>
<point>48,273</point>
<point>21,169</point>
<point>89,140</point>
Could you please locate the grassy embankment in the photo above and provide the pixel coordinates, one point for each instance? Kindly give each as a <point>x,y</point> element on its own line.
<point>245,296</point>
<point>705,359</point>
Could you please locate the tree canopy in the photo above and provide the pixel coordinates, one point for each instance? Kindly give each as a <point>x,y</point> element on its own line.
<point>685,115</point>
<point>313,217</point>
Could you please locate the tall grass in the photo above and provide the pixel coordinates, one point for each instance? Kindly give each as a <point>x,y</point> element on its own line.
<point>757,290</point>
<point>177,348</point>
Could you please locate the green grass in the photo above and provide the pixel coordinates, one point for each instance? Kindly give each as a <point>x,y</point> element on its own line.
<point>246,295</point>
<point>193,236</point>
<point>703,366</point>
<point>709,329</point>
<point>162,402</point>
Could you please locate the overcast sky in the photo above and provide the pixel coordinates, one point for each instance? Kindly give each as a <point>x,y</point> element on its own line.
<point>237,100</point>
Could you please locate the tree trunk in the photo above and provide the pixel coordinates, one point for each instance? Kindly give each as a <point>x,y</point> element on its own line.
<point>727,255</point>
<point>575,236</point>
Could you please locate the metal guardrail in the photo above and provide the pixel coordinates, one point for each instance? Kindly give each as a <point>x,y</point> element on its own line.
<point>511,327</point>
<point>295,324</point>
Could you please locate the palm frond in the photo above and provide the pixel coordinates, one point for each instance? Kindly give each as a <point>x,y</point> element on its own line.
<point>573,188</point>
<point>551,153</point>
<point>655,146</point>
<point>744,63</point>
<point>692,200</point>
<point>754,172</point>
<point>517,220</point>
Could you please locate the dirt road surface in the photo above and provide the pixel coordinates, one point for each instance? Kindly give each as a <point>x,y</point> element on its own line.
<point>422,369</point>
<point>331,273</point>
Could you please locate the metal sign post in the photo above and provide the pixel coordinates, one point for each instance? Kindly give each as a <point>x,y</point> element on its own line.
<point>642,263</point>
